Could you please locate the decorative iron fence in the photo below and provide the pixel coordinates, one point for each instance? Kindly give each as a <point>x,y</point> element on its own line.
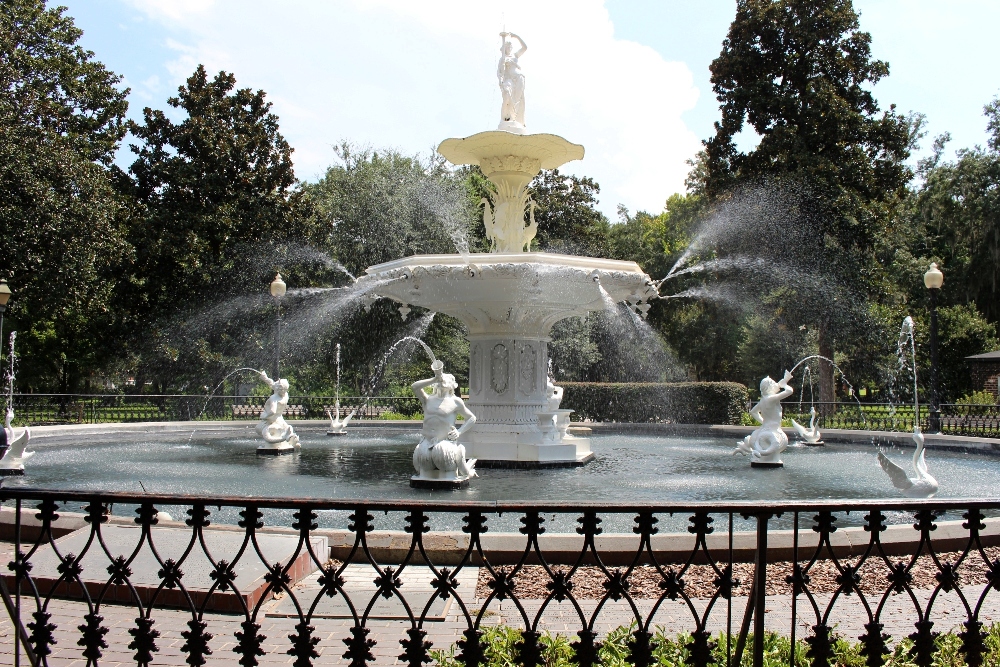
<point>39,409</point>
<point>956,419</point>
<point>131,597</point>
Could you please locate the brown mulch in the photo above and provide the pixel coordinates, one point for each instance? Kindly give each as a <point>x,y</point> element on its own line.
<point>699,580</point>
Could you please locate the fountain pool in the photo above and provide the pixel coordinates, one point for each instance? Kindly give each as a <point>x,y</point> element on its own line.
<point>373,462</point>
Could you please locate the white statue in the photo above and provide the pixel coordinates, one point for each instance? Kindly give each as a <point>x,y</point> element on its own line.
<point>12,462</point>
<point>272,427</point>
<point>511,84</point>
<point>338,426</point>
<point>553,395</point>
<point>504,223</point>
<point>921,486</point>
<point>811,435</point>
<point>439,457</point>
<point>768,441</point>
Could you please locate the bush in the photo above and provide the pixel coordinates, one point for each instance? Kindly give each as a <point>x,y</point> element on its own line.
<point>676,402</point>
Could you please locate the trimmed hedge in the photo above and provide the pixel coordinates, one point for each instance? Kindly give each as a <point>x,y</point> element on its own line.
<point>675,402</point>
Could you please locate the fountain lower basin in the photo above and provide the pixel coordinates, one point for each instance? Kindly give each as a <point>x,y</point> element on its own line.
<point>509,302</point>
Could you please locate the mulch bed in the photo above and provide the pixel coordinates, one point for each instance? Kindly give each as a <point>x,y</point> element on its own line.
<point>588,582</point>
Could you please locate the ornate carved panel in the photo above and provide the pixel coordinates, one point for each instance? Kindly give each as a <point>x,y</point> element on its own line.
<point>499,368</point>
<point>528,363</point>
<point>476,369</point>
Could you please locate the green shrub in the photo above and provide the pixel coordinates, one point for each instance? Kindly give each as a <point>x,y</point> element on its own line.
<point>675,651</point>
<point>978,398</point>
<point>675,402</point>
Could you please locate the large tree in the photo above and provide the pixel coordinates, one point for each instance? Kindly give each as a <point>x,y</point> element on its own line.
<point>215,188</point>
<point>800,73</point>
<point>62,116</point>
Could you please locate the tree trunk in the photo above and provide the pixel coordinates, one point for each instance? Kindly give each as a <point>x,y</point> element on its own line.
<point>827,388</point>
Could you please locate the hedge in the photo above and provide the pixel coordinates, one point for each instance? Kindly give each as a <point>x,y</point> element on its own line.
<point>675,402</point>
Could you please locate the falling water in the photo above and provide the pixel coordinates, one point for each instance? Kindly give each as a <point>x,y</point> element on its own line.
<point>9,377</point>
<point>854,394</point>
<point>906,336</point>
<point>221,382</point>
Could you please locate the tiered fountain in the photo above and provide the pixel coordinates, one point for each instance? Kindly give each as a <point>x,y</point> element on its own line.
<point>510,297</point>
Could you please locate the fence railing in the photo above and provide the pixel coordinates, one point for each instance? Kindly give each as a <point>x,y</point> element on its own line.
<point>39,409</point>
<point>122,589</point>
<point>956,418</point>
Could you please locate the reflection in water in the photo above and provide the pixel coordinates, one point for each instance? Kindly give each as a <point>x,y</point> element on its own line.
<point>376,464</point>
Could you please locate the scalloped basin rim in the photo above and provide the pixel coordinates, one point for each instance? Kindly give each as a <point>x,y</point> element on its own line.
<point>486,258</point>
<point>550,149</point>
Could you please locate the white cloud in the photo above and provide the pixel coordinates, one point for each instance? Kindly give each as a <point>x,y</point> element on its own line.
<point>410,74</point>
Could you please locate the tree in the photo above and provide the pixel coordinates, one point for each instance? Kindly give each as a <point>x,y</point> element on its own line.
<point>567,215</point>
<point>62,117</point>
<point>800,72</point>
<point>211,187</point>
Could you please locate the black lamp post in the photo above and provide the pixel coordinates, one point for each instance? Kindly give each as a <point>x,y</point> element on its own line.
<point>4,298</point>
<point>277,291</point>
<point>933,280</point>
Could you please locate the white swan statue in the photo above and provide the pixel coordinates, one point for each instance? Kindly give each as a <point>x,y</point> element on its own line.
<point>13,459</point>
<point>811,435</point>
<point>338,427</point>
<point>923,485</point>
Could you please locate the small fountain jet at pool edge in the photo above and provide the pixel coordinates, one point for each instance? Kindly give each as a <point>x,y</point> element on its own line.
<point>12,461</point>
<point>810,436</point>
<point>272,427</point>
<point>338,427</point>
<point>923,485</point>
<point>439,460</point>
<point>768,441</point>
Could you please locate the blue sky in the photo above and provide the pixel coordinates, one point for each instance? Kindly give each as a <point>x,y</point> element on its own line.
<point>628,79</point>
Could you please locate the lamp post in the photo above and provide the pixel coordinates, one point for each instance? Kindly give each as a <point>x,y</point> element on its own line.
<point>4,298</point>
<point>933,280</point>
<point>277,291</point>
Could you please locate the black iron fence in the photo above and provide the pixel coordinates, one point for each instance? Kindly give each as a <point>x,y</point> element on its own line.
<point>956,419</point>
<point>40,409</point>
<point>885,590</point>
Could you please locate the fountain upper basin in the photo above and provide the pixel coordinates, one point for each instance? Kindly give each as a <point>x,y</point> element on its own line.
<point>513,293</point>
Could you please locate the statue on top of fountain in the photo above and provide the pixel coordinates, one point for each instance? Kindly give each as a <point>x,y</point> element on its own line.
<point>439,460</point>
<point>272,427</point>
<point>768,441</point>
<point>511,84</point>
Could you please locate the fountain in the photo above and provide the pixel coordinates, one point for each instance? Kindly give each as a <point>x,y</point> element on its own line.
<point>338,427</point>
<point>810,436</point>
<point>439,459</point>
<point>278,434</point>
<point>768,441</point>
<point>12,454</point>
<point>510,297</point>
<point>923,485</point>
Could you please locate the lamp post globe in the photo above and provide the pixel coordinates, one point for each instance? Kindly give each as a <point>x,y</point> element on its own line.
<point>933,280</point>
<point>277,290</point>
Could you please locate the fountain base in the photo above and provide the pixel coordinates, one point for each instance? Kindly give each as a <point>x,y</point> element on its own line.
<point>767,464</point>
<point>818,443</point>
<point>498,449</point>
<point>424,483</point>
<point>280,448</point>
<point>11,472</point>
<point>340,432</point>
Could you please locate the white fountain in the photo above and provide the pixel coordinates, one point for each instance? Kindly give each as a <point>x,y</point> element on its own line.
<point>510,297</point>
<point>278,435</point>
<point>766,444</point>
<point>338,426</point>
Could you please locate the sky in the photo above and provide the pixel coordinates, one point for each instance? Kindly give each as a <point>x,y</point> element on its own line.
<point>628,79</point>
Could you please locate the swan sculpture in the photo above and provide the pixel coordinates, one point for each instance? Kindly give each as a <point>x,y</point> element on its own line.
<point>923,485</point>
<point>12,462</point>
<point>811,435</point>
<point>338,427</point>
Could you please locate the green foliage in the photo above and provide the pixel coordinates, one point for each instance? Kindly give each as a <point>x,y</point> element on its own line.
<point>977,398</point>
<point>213,188</point>
<point>674,650</point>
<point>567,215</point>
<point>678,402</point>
<point>62,117</point>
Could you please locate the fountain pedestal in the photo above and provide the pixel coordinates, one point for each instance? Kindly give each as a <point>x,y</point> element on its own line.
<point>509,303</point>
